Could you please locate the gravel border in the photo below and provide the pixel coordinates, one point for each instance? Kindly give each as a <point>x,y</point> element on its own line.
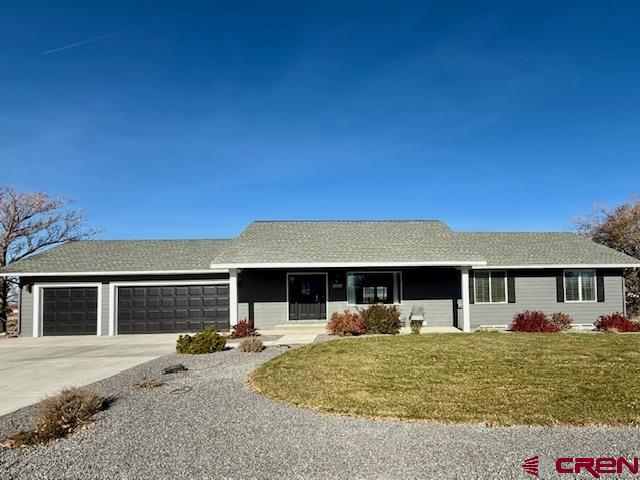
<point>220,428</point>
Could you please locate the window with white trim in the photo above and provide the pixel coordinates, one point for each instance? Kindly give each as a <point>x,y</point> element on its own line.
<point>365,288</point>
<point>580,286</point>
<point>490,286</point>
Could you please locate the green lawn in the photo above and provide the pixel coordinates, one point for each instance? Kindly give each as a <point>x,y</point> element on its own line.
<point>492,378</point>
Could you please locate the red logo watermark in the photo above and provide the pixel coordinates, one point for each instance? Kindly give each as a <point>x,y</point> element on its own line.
<point>595,466</point>
<point>530,465</point>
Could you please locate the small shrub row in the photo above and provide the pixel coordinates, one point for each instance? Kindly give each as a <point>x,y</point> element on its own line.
<point>537,321</point>
<point>376,319</point>
<point>206,341</point>
<point>59,415</point>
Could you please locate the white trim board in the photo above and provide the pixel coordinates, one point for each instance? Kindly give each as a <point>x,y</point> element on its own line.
<point>445,263</point>
<point>113,293</point>
<point>106,273</point>
<point>558,265</point>
<point>37,303</point>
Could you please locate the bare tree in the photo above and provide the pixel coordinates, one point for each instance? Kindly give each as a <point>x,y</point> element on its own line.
<point>31,223</point>
<point>618,228</point>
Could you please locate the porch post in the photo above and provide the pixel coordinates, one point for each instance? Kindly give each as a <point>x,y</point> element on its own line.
<point>466,317</point>
<point>233,296</point>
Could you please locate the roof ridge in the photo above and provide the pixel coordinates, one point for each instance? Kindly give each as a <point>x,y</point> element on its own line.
<point>350,221</point>
<point>515,232</point>
<point>123,240</point>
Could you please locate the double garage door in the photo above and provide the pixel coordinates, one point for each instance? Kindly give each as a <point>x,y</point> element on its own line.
<point>173,308</point>
<point>139,309</point>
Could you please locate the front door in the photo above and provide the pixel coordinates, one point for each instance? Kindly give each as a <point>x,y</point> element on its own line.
<point>307,296</point>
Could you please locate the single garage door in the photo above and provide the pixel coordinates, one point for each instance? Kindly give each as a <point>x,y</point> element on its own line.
<point>70,311</point>
<point>172,308</point>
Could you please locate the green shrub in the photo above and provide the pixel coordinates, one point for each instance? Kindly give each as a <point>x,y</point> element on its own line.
<point>346,324</point>
<point>416,326</point>
<point>381,319</point>
<point>206,341</point>
<point>251,345</point>
<point>562,320</point>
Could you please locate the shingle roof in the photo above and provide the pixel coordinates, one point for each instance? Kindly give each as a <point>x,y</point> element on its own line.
<point>305,242</point>
<point>542,248</point>
<point>277,242</point>
<point>122,256</point>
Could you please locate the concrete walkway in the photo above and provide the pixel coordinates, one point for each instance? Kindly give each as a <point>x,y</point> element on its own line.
<point>31,368</point>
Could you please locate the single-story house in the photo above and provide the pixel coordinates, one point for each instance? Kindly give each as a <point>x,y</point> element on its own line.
<point>291,272</point>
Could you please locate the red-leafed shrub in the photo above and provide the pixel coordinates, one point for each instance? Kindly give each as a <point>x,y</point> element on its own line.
<point>616,322</point>
<point>346,324</point>
<point>535,322</point>
<point>243,329</point>
<point>562,320</point>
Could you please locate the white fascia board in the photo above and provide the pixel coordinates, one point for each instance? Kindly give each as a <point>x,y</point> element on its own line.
<point>122,272</point>
<point>558,265</point>
<point>447,263</point>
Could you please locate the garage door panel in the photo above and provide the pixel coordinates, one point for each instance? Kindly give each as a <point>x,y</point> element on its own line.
<point>176,308</point>
<point>70,311</point>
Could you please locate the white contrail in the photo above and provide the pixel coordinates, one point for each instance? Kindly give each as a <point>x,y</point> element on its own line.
<point>71,45</point>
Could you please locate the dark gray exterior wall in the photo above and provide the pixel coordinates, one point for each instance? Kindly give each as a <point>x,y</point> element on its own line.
<point>536,290</point>
<point>262,294</point>
<point>26,301</point>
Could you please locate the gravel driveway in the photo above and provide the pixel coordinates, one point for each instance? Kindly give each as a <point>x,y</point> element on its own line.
<point>221,429</point>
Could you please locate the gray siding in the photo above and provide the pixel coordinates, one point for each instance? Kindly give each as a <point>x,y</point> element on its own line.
<point>105,309</point>
<point>262,297</point>
<point>26,312</point>
<point>537,291</point>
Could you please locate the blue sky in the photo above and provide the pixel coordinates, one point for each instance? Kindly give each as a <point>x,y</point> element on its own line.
<point>199,117</point>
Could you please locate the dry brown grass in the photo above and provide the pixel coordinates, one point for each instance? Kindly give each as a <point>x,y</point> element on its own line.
<point>496,379</point>
<point>59,415</point>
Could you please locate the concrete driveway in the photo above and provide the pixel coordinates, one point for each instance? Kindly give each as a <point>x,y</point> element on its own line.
<point>31,368</point>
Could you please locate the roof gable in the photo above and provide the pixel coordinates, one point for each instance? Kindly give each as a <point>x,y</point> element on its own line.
<point>352,242</point>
